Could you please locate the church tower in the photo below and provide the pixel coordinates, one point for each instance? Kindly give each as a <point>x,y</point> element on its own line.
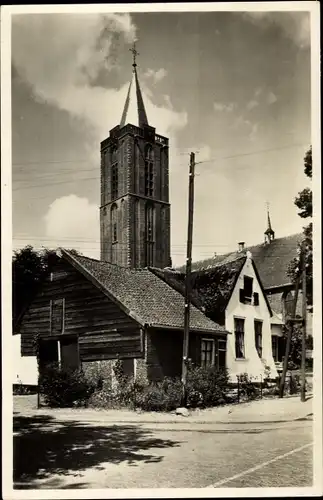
<point>135,209</point>
<point>269,233</point>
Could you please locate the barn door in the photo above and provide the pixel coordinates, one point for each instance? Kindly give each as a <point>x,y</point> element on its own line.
<point>69,353</point>
<point>48,353</point>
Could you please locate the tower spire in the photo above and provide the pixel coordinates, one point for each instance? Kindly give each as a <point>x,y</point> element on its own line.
<point>269,233</point>
<point>134,109</point>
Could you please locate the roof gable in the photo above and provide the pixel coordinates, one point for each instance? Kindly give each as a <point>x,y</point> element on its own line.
<point>141,294</point>
<point>216,285</point>
<point>271,260</point>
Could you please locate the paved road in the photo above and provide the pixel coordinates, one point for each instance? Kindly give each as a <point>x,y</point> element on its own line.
<point>53,454</point>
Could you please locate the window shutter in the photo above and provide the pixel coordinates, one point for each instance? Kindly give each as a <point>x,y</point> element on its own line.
<point>242,297</point>
<point>256,299</point>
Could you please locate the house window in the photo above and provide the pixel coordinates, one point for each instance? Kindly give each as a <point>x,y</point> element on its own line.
<point>278,345</point>
<point>247,286</point>
<point>57,313</point>
<point>114,174</point>
<point>239,337</point>
<point>287,306</point>
<point>258,337</point>
<point>207,352</point>
<point>274,347</point>
<point>149,171</point>
<point>149,223</point>
<point>114,223</point>
<point>222,348</point>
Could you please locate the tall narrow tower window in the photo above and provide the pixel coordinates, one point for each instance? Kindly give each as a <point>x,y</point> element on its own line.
<point>149,222</point>
<point>149,171</point>
<point>114,174</point>
<point>114,223</point>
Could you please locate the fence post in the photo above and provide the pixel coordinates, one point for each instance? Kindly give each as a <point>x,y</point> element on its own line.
<point>260,386</point>
<point>238,388</point>
<point>38,394</point>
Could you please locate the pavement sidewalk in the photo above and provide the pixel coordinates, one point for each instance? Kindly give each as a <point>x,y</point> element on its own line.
<point>262,411</point>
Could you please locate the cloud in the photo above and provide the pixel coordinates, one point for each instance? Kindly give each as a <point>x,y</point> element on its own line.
<point>252,104</point>
<point>156,76</point>
<point>72,221</point>
<point>246,126</point>
<point>294,25</point>
<point>60,56</point>
<point>271,98</point>
<point>227,108</point>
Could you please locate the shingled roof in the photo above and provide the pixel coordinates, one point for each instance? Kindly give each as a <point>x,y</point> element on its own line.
<point>271,260</point>
<point>211,288</point>
<point>144,296</point>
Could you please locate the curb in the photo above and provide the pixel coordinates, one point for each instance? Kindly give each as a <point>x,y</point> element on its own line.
<point>183,420</point>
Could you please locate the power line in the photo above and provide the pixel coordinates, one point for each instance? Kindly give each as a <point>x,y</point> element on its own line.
<point>73,172</point>
<point>251,153</point>
<point>34,186</point>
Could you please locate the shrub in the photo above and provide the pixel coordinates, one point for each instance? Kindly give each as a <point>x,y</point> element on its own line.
<point>159,396</point>
<point>247,388</point>
<point>294,383</point>
<point>207,387</point>
<point>64,388</point>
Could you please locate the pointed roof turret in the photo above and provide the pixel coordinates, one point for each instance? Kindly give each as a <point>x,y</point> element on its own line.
<point>269,233</point>
<point>134,109</point>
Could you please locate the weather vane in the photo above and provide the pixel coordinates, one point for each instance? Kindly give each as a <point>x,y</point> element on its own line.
<point>135,53</point>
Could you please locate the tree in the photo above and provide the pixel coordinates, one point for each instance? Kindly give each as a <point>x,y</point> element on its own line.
<point>304,203</point>
<point>29,268</point>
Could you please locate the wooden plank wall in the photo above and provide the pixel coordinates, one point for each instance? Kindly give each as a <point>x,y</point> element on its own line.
<point>102,327</point>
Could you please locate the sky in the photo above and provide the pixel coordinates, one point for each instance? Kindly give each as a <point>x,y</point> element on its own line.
<point>234,87</point>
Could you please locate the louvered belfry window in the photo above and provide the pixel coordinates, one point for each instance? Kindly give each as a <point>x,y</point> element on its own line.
<point>150,230</point>
<point>114,174</point>
<point>114,223</point>
<point>149,171</point>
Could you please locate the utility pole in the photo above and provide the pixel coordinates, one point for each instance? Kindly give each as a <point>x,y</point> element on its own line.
<point>290,326</point>
<point>303,376</point>
<point>188,274</point>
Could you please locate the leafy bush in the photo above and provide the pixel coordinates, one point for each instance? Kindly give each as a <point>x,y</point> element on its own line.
<point>64,388</point>
<point>247,388</point>
<point>294,383</point>
<point>159,396</point>
<point>207,387</point>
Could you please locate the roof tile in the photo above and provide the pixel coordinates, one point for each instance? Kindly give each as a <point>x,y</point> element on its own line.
<point>271,260</point>
<point>150,298</point>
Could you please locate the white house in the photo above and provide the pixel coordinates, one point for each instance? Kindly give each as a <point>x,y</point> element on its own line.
<point>231,293</point>
<point>250,319</point>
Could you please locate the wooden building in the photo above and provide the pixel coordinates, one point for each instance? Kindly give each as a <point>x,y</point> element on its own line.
<point>89,311</point>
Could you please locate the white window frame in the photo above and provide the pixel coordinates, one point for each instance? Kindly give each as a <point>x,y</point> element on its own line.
<point>213,350</point>
<point>235,338</point>
<point>256,320</point>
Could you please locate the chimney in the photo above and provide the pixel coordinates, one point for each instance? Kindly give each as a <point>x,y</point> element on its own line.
<point>241,246</point>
